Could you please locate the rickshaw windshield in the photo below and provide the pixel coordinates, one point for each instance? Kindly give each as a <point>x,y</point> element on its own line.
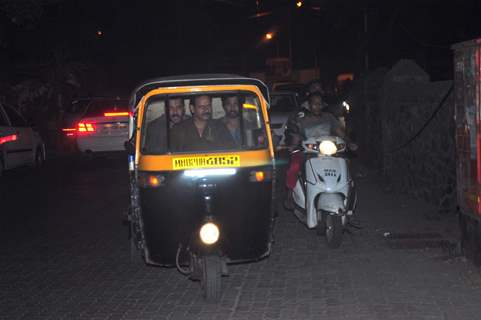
<point>203,122</point>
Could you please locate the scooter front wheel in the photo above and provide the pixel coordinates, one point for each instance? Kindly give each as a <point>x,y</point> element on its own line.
<point>211,278</point>
<point>321,223</point>
<point>334,230</point>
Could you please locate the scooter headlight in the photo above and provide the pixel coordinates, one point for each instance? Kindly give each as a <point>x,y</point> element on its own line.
<point>327,148</point>
<point>209,233</point>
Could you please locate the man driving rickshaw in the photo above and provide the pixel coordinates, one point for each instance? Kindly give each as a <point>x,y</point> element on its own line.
<point>201,132</point>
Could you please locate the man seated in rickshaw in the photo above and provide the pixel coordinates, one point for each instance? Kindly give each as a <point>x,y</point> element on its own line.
<point>231,105</point>
<point>156,138</point>
<point>201,132</point>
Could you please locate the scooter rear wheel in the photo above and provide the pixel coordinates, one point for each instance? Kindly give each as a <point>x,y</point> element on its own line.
<point>334,231</point>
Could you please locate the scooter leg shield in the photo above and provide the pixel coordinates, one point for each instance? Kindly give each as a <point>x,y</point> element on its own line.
<point>331,202</point>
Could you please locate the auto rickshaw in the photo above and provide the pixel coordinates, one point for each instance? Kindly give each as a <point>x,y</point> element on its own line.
<point>201,182</point>
<point>467,98</point>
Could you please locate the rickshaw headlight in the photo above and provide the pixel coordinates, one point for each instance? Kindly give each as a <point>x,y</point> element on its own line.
<point>209,233</point>
<point>327,148</point>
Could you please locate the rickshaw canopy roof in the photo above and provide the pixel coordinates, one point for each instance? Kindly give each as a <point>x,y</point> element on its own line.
<point>196,80</point>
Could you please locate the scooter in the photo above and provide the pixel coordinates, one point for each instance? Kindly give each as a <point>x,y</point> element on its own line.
<point>324,195</point>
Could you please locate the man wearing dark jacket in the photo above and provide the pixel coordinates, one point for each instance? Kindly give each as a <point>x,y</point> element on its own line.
<point>156,138</point>
<point>201,132</point>
<point>310,122</point>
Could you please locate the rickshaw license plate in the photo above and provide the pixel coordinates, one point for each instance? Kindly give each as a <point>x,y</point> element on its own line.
<point>217,161</point>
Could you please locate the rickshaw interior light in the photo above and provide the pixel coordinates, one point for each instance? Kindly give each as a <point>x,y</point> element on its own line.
<point>116,114</point>
<point>249,106</point>
<point>209,233</point>
<point>201,173</point>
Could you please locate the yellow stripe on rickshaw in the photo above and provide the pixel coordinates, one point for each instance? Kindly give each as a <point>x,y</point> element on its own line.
<point>212,161</point>
<point>251,158</point>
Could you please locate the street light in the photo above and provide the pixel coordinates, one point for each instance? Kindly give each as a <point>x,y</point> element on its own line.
<point>269,36</point>
<point>299,4</point>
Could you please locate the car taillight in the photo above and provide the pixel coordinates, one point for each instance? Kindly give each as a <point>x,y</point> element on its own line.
<point>84,128</point>
<point>69,132</point>
<point>9,138</point>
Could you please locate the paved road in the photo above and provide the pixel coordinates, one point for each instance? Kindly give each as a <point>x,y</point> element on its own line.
<point>65,255</point>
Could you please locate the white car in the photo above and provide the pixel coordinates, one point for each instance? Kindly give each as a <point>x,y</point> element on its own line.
<point>283,104</point>
<point>20,145</point>
<point>104,127</point>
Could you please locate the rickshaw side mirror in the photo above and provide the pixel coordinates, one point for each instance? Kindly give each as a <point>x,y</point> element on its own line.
<point>129,147</point>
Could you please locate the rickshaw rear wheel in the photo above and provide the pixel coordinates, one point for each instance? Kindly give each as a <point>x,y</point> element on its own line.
<point>133,248</point>
<point>471,239</point>
<point>211,278</point>
<point>334,231</point>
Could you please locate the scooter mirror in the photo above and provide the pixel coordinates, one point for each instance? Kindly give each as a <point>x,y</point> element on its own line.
<point>352,146</point>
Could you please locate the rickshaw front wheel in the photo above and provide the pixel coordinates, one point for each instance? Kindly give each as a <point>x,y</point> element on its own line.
<point>211,278</point>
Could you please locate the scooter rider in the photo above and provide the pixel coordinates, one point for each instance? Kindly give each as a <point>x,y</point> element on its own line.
<point>298,126</point>
<point>313,86</point>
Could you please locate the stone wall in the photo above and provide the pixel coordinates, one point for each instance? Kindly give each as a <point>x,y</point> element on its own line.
<point>425,167</point>
<point>364,120</point>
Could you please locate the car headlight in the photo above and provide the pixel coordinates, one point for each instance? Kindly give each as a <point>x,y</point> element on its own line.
<point>327,148</point>
<point>209,233</point>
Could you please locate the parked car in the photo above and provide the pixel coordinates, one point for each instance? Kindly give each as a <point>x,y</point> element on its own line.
<point>102,126</point>
<point>283,104</point>
<point>20,144</point>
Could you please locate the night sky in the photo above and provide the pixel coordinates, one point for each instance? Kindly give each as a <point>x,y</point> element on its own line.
<point>144,39</point>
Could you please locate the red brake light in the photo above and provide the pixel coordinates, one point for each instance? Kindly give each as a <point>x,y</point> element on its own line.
<point>116,114</point>
<point>85,128</point>
<point>69,132</point>
<point>12,137</point>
